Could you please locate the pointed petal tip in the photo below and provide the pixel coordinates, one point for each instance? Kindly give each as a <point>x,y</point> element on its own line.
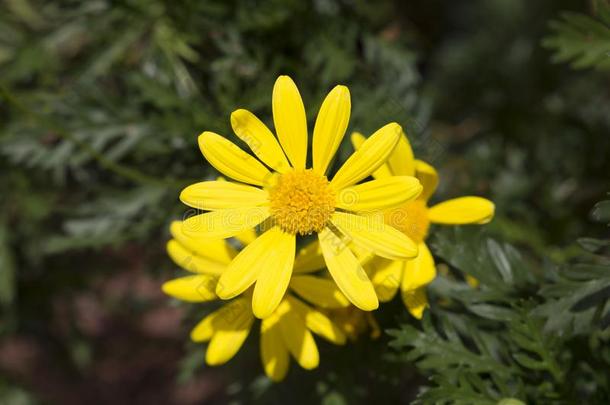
<point>169,288</point>
<point>204,136</point>
<point>166,288</point>
<point>238,117</point>
<point>283,78</point>
<point>276,378</point>
<point>182,196</point>
<point>262,312</point>
<point>194,338</point>
<point>369,306</point>
<point>239,111</point>
<point>221,291</point>
<point>310,365</point>
<point>395,129</point>
<point>213,360</point>
<point>204,140</point>
<point>234,118</point>
<point>169,244</point>
<point>341,89</point>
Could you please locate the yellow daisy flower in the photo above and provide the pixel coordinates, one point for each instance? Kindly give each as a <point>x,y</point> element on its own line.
<point>295,201</point>
<point>287,331</point>
<point>413,219</point>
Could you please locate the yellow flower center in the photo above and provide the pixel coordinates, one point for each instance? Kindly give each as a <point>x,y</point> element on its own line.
<point>411,219</point>
<point>302,202</point>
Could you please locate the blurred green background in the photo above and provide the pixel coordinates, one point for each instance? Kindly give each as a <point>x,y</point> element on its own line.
<point>101,104</point>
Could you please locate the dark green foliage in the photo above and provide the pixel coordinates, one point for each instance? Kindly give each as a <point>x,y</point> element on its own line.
<point>578,295</point>
<point>506,338</point>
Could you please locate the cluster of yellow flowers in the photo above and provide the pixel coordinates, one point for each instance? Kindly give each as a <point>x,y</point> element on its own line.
<point>370,235</point>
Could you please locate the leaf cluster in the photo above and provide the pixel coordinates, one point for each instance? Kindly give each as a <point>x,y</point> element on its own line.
<point>582,40</point>
<point>529,331</point>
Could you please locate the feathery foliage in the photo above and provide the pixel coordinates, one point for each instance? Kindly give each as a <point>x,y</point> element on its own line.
<point>582,40</point>
<point>507,338</point>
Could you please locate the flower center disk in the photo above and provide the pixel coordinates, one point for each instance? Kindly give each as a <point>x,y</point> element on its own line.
<point>302,202</point>
<point>411,219</point>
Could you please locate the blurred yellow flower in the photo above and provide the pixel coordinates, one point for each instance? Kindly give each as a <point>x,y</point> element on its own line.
<point>287,199</point>
<point>354,322</point>
<point>287,331</point>
<point>413,218</point>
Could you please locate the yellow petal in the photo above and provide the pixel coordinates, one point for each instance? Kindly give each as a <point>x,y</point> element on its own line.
<point>330,127</point>
<point>259,138</point>
<point>274,274</point>
<point>384,170</point>
<point>217,195</point>
<point>227,341</point>
<point>347,271</point>
<point>428,177</point>
<point>219,319</point>
<point>290,121</point>
<point>245,268</point>
<point>246,237</point>
<point>381,194</point>
<point>319,291</point>
<point>416,301</point>
<point>371,233</point>
<point>309,258</point>
<point>299,340</point>
<point>198,288</point>
<point>217,250</point>
<point>191,262</point>
<point>274,353</point>
<point>204,330</point>
<point>419,271</point>
<point>228,159</point>
<point>224,223</point>
<point>463,210</point>
<point>363,255</point>
<point>372,154</point>
<point>317,322</point>
<point>386,276</point>
<point>401,160</point>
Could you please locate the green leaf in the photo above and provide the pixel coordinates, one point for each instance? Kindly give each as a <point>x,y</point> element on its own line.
<point>528,362</point>
<point>597,298</point>
<point>495,313</point>
<point>601,212</point>
<point>500,260</point>
<point>592,244</point>
<point>583,40</point>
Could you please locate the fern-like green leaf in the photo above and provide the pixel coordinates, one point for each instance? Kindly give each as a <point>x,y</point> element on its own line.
<point>582,40</point>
